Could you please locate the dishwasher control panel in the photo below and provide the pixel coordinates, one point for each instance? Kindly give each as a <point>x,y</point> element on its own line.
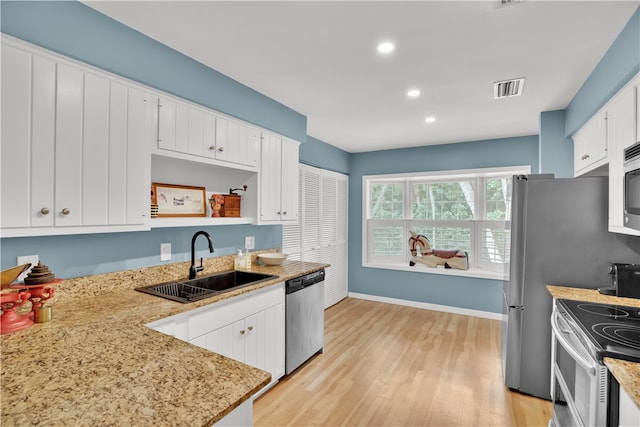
<point>297,283</point>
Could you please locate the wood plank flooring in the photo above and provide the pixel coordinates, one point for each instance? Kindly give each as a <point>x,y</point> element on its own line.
<point>390,365</point>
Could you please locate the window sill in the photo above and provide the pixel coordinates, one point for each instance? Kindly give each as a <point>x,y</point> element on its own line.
<point>419,268</point>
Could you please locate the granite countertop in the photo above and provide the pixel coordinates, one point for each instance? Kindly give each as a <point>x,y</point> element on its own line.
<point>627,373</point>
<point>96,363</point>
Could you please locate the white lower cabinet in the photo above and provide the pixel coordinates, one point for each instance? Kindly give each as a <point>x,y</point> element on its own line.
<point>629,413</point>
<point>242,416</point>
<point>249,328</point>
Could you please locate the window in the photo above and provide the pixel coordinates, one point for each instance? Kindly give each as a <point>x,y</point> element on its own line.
<point>467,210</point>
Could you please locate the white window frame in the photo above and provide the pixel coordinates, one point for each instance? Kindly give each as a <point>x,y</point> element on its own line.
<point>401,262</point>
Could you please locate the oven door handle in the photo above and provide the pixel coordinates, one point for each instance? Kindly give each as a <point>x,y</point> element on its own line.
<point>559,334</point>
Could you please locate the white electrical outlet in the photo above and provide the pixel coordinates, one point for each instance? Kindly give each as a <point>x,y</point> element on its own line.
<point>165,251</point>
<point>250,242</point>
<point>33,259</point>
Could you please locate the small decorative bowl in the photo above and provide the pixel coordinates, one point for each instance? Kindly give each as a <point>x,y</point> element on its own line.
<point>272,258</point>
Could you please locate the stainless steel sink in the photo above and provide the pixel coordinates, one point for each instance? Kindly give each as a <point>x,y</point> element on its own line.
<point>205,286</point>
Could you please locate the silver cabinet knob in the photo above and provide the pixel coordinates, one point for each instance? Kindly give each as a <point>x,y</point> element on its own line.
<point>250,328</point>
<point>221,149</point>
<point>212,147</point>
<point>44,211</point>
<point>66,211</point>
<point>242,332</point>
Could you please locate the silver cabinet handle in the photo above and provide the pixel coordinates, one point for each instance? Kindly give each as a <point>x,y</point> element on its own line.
<point>44,211</point>
<point>212,147</point>
<point>284,213</point>
<point>66,211</point>
<point>242,332</point>
<point>221,149</point>
<point>250,328</point>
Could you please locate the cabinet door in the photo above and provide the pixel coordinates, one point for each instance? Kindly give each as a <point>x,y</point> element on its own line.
<point>289,180</point>
<point>166,124</point>
<point>69,153</point>
<point>26,171</point>
<point>236,142</point>
<point>270,336</point>
<point>224,135</point>
<point>139,134</point>
<point>590,144</point>
<point>252,154</point>
<point>95,147</point>
<point>220,341</point>
<point>629,413</point>
<point>270,178</point>
<point>209,136</point>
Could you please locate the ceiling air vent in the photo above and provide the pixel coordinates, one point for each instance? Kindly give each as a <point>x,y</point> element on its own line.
<point>508,88</point>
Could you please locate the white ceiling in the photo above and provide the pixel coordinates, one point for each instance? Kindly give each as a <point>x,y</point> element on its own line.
<point>320,59</point>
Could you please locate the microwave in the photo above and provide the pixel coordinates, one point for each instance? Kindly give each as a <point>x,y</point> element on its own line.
<point>632,186</point>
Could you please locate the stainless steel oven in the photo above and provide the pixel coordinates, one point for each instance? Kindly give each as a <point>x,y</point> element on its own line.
<point>583,391</point>
<point>632,186</point>
<point>579,383</point>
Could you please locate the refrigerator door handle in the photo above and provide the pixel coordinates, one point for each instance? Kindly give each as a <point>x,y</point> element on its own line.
<point>517,307</point>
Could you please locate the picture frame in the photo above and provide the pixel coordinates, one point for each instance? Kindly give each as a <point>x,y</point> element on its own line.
<point>179,200</point>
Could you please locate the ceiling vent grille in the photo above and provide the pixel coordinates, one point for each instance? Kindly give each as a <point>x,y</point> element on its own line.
<point>508,88</point>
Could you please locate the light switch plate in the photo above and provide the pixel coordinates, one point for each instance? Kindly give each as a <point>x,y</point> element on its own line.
<point>165,252</point>
<point>33,259</point>
<point>250,242</point>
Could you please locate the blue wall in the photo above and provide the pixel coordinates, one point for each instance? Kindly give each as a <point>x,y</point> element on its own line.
<point>86,254</point>
<point>469,293</point>
<point>556,150</point>
<point>618,65</point>
<point>322,155</point>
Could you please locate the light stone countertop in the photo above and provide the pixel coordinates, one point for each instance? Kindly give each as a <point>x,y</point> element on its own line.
<point>96,363</point>
<point>627,373</point>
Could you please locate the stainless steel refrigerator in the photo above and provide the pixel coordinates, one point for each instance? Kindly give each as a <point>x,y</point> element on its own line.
<point>559,236</point>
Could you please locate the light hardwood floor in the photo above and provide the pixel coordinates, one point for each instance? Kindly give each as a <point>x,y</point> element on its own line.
<point>390,365</point>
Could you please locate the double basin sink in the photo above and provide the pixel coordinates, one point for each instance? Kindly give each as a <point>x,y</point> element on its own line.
<point>205,286</point>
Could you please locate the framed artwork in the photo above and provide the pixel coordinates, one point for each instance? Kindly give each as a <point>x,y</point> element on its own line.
<point>179,200</point>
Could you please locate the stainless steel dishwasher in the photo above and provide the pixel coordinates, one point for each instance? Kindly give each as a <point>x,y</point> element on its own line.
<point>305,318</point>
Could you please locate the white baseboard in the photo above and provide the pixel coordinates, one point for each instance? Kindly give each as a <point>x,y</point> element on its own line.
<point>428,306</point>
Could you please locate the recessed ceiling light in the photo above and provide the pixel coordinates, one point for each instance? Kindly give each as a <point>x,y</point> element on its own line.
<point>386,47</point>
<point>413,93</point>
<point>430,119</point>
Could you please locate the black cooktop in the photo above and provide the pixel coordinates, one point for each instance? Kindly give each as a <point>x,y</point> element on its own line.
<point>612,330</point>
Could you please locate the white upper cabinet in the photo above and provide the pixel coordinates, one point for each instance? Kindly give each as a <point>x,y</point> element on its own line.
<point>237,142</point>
<point>621,129</point>
<point>590,145</point>
<point>74,147</point>
<point>190,132</point>
<point>278,180</point>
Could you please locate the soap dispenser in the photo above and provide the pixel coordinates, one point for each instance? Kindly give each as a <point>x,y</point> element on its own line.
<point>247,260</point>
<point>239,260</point>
